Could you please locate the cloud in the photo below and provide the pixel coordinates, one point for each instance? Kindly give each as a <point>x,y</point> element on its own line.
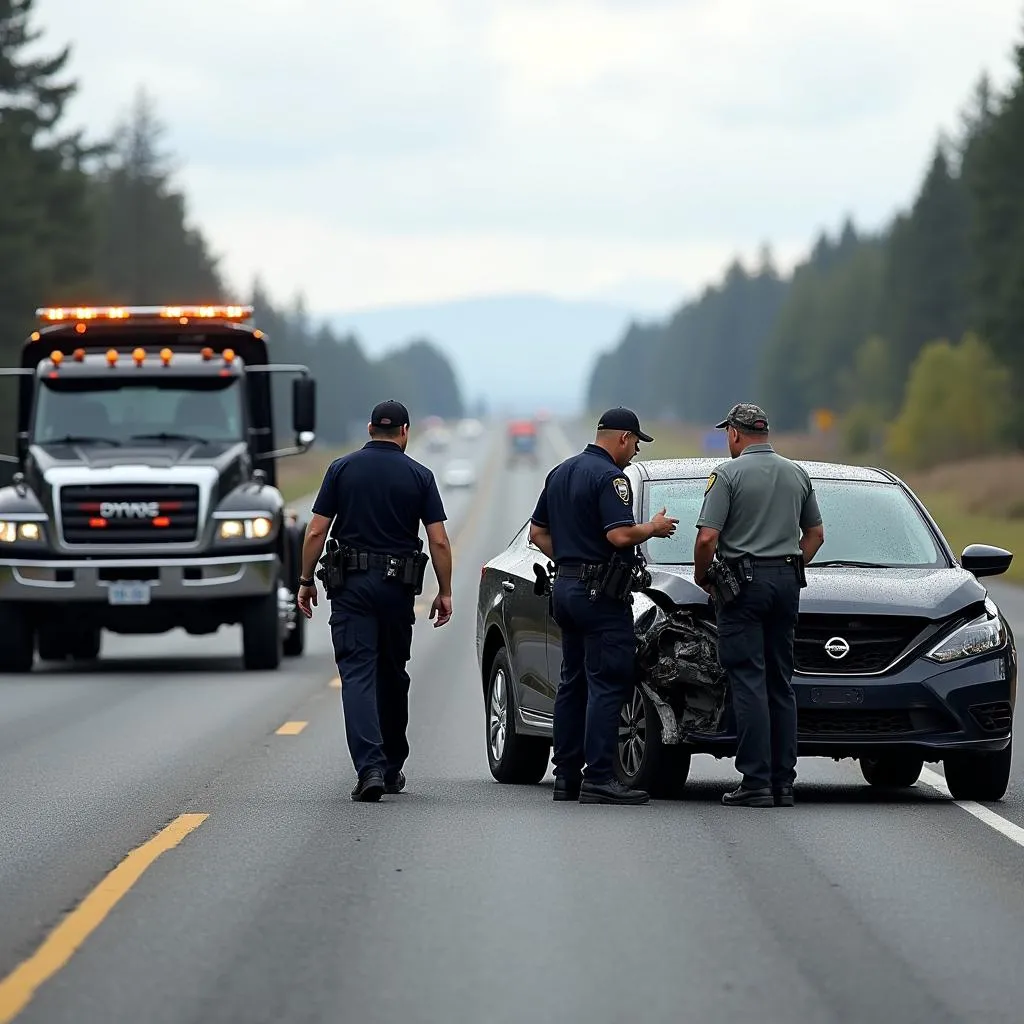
<point>409,149</point>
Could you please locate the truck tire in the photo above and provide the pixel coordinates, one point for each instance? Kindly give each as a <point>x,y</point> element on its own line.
<point>295,640</point>
<point>17,640</point>
<point>59,643</point>
<point>85,644</point>
<point>261,634</point>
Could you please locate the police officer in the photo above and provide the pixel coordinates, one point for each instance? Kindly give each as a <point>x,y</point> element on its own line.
<point>377,497</point>
<point>760,516</point>
<point>584,516</point>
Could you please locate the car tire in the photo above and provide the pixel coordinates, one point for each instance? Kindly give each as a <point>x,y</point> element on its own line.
<point>641,760</point>
<point>891,771</point>
<point>262,646</point>
<point>974,776</point>
<point>512,757</point>
<point>17,640</point>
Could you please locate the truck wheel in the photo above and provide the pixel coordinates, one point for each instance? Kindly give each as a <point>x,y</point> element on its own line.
<point>261,634</point>
<point>17,640</point>
<point>53,645</point>
<point>294,622</point>
<point>972,776</point>
<point>85,644</point>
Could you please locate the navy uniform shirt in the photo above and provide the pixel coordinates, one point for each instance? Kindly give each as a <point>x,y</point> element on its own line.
<point>378,496</point>
<point>583,498</point>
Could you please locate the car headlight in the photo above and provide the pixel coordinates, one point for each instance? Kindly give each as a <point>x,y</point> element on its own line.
<point>12,531</point>
<point>252,528</point>
<point>985,633</point>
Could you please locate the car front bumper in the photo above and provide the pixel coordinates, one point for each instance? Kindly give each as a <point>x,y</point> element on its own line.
<point>169,579</point>
<point>925,707</point>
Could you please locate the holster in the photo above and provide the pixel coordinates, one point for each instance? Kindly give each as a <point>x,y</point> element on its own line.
<point>332,567</point>
<point>725,588</point>
<point>801,573</point>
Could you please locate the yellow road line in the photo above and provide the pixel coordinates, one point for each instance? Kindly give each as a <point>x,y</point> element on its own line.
<point>18,988</point>
<point>291,728</point>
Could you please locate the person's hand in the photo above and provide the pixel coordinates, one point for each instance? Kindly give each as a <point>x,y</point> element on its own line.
<point>306,599</point>
<point>664,526</point>
<point>442,608</point>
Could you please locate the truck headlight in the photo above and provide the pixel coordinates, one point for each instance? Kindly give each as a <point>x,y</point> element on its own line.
<point>12,531</point>
<point>253,528</point>
<point>982,634</point>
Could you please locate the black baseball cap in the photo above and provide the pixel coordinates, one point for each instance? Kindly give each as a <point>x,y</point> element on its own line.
<point>622,419</point>
<point>390,414</point>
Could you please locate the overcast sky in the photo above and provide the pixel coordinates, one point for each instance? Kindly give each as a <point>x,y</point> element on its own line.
<point>390,151</point>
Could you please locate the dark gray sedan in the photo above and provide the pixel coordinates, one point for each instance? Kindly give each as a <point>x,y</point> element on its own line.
<point>902,656</point>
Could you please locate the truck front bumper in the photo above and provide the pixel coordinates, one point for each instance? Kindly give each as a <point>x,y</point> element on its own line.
<point>167,579</point>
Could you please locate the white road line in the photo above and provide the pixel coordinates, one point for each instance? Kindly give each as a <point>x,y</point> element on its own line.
<point>1007,828</point>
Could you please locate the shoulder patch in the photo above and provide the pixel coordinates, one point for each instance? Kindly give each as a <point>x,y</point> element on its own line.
<point>711,483</point>
<point>621,485</point>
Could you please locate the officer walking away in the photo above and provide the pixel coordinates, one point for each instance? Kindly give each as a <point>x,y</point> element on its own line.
<point>584,523</point>
<point>377,497</point>
<point>760,517</point>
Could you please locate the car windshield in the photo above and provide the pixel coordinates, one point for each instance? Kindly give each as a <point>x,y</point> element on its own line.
<point>123,412</point>
<point>866,523</point>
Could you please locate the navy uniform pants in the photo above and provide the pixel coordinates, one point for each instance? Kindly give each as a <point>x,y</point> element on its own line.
<point>755,647</point>
<point>597,677</point>
<point>371,626</point>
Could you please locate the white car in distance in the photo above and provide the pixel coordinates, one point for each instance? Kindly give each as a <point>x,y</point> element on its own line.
<point>458,473</point>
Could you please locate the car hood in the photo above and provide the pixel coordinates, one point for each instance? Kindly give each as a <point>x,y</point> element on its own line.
<point>844,590</point>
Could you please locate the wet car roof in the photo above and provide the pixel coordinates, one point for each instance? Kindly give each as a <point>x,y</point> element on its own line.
<point>670,469</point>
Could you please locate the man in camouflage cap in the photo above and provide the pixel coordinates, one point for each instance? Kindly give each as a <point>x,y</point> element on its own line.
<point>761,518</point>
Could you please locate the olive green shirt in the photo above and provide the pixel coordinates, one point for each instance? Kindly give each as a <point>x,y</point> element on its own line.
<point>760,502</point>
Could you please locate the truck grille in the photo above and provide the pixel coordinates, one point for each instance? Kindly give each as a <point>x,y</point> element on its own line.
<point>875,642</point>
<point>129,513</point>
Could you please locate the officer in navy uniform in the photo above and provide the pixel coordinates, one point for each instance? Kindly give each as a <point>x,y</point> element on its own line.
<point>760,516</point>
<point>584,517</point>
<point>377,497</point>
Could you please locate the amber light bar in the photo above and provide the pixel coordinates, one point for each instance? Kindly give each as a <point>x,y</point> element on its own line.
<point>58,314</point>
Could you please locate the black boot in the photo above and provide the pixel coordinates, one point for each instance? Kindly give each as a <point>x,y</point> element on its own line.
<point>743,797</point>
<point>611,792</point>
<point>783,796</point>
<point>370,786</point>
<point>567,788</point>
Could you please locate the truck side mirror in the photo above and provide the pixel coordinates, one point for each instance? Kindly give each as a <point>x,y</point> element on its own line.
<point>304,406</point>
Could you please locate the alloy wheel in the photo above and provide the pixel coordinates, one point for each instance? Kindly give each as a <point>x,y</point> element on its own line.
<point>498,715</point>
<point>632,734</point>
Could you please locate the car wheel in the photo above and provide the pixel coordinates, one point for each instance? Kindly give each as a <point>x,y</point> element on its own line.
<point>512,757</point>
<point>972,776</point>
<point>639,752</point>
<point>891,771</point>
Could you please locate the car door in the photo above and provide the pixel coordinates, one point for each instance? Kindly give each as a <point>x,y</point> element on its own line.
<point>526,623</point>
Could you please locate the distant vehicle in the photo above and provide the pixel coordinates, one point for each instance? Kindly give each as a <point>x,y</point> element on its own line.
<point>459,473</point>
<point>438,438</point>
<point>901,654</point>
<point>470,429</point>
<point>522,439</point>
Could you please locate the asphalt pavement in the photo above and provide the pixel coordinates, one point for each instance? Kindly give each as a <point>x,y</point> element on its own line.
<point>268,896</point>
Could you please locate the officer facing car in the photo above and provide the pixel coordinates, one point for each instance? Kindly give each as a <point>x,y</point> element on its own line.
<point>377,497</point>
<point>760,516</point>
<point>584,522</point>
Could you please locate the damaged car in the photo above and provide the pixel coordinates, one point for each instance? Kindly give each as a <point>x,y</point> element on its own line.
<point>902,657</point>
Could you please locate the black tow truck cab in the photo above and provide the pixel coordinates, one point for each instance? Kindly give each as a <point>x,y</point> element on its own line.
<point>145,497</point>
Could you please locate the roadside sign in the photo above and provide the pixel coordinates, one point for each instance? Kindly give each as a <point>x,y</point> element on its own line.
<point>823,419</point>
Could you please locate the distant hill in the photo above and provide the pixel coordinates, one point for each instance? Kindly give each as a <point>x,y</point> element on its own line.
<point>517,352</point>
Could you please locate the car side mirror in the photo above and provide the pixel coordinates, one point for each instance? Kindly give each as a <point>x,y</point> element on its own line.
<point>304,405</point>
<point>985,560</point>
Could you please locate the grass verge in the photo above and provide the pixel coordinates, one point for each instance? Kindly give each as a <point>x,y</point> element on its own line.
<point>300,475</point>
<point>980,501</point>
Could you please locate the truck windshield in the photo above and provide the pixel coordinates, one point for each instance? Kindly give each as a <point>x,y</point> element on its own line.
<point>123,411</point>
<point>865,524</point>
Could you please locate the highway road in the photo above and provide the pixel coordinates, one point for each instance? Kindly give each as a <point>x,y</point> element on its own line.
<point>259,892</point>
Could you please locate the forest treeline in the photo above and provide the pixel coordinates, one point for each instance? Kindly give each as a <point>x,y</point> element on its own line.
<point>912,337</point>
<point>100,222</point>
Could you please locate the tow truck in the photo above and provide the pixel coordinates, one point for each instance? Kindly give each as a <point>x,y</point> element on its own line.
<point>145,497</point>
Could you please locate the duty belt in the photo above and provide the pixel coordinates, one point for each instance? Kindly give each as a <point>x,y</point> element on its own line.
<point>785,560</point>
<point>579,570</point>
